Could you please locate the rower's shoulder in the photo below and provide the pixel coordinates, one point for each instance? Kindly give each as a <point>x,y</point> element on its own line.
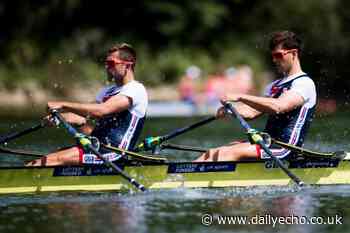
<point>304,77</point>
<point>304,80</point>
<point>135,84</point>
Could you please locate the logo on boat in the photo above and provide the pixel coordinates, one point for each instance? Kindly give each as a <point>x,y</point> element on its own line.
<point>201,167</point>
<point>329,163</point>
<point>269,164</point>
<point>84,171</point>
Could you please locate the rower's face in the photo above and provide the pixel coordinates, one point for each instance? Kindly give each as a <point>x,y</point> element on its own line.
<point>283,59</point>
<point>116,68</point>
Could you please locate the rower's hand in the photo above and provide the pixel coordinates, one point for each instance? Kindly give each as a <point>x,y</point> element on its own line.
<point>50,121</point>
<point>69,117</point>
<point>55,105</point>
<point>221,113</point>
<point>230,98</point>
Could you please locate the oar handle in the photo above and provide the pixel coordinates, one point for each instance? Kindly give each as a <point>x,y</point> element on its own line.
<point>148,144</point>
<point>85,142</point>
<point>229,107</point>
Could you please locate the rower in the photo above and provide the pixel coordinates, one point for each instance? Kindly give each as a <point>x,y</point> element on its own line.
<point>290,102</point>
<point>119,112</point>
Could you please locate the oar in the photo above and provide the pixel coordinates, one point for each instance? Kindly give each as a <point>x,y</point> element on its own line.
<point>256,138</point>
<point>183,148</point>
<point>11,136</point>
<point>150,142</point>
<point>86,143</point>
<point>21,152</point>
<point>135,155</point>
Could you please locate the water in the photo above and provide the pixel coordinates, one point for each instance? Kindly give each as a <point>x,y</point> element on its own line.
<point>173,211</point>
<point>180,210</point>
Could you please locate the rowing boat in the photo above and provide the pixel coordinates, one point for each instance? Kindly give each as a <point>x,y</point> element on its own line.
<point>143,172</point>
<point>165,175</point>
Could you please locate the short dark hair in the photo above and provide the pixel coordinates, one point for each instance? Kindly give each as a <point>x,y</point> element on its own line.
<point>126,53</point>
<point>287,39</point>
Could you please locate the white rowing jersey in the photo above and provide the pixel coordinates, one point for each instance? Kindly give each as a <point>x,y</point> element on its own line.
<point>122,129</point>
<point>291,127</point>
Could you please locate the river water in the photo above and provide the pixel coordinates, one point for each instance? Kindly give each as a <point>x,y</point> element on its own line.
<point>288,209</point>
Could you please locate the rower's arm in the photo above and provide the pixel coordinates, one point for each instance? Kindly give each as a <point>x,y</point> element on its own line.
<point>115,104</point>
<point>73,118</point>
<point>70,117</point>
<point>246,111</point>
<point>288,101</point>
<point>78,120</point>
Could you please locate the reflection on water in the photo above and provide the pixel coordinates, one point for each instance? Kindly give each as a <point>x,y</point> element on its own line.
<point>171,211</point>
<point>178,210</point>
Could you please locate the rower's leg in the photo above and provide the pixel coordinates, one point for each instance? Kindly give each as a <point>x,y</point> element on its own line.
<point>235,152</point>
<point>68,156</point>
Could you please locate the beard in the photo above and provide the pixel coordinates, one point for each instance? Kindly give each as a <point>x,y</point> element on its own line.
<point>113,76</point>
<point>280,70</point>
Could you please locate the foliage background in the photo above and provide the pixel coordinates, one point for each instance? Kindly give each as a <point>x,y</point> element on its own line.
<point>59,42</point>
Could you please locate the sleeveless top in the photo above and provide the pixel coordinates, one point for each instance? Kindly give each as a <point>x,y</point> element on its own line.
<point>122,129</point>
<point>291,127</point>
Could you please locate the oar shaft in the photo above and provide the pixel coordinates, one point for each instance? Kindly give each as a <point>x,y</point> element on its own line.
<point>187,128</point>
<point>15,135</point>
<point>85,142</point>
<point>183,148</point>
<point>116,168</point>
<point>242,122</point>
<point>281,165</point>
<point>150,143</point>
<point>21,152</point>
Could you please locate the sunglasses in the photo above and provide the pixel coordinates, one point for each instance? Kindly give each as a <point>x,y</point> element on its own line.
<point>279,55</point>
<point>113,63</point>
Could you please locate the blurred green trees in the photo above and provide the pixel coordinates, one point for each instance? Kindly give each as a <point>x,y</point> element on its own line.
<point>61,41</point>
